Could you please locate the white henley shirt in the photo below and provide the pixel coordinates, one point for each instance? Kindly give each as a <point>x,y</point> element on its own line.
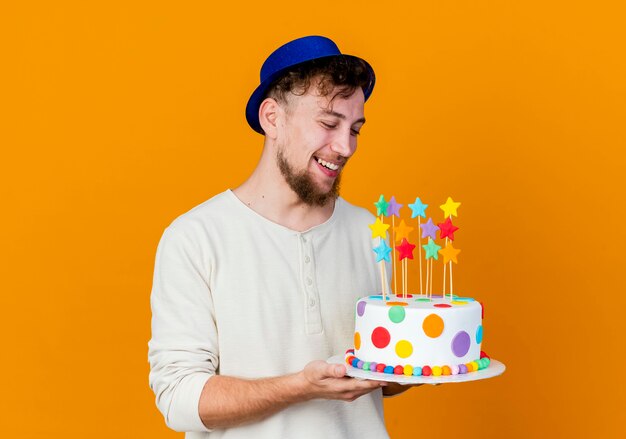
<point>236,294</point>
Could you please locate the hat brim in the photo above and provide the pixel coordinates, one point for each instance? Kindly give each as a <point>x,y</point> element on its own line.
<point>259,94</point>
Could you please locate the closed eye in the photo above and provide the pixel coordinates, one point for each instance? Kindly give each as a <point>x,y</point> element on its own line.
<point>328,125</point>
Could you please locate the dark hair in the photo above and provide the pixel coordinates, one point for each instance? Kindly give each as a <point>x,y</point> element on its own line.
<point>343,72</point>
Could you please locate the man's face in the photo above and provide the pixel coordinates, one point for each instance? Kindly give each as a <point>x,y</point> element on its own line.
<point>315,139</point>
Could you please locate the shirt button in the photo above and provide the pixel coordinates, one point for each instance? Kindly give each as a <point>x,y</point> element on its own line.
<point>311,303</point>
<point>309,281</point>
<point>307,259</point>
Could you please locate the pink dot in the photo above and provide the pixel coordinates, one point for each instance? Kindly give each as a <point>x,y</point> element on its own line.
<point>380,337</point>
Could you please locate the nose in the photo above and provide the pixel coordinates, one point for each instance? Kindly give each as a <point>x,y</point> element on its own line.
<point>344,144</point>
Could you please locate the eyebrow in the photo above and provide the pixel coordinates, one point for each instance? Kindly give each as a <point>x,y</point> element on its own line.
<point>341,116</point>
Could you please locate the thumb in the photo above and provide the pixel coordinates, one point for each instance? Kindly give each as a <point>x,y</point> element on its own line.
<point>337,370</point>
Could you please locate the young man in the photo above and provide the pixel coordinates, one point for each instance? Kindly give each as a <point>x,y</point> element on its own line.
<point>255,288</point>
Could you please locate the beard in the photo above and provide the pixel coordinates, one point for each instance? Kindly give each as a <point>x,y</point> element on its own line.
<point>302,184</point>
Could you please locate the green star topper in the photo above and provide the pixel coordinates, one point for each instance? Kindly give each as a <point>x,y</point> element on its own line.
<point>431,249</point>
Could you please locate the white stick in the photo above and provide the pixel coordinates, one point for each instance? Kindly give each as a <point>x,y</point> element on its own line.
<point>444,280</point>
<point>451,286</point>
<point>419,245</point>
<point>406,278</point>
<point>393,259</point>
<point>427,277</point>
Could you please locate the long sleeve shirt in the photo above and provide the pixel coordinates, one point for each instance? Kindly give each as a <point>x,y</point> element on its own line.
<point>236,294</point>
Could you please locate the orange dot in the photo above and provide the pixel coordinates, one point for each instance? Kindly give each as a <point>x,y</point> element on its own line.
<point>357,340</point>
<point>433,326</point>
<point>445,370</point>
<point>397,304</point>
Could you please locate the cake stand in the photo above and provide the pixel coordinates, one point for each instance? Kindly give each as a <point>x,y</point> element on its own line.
<point>495,368</point>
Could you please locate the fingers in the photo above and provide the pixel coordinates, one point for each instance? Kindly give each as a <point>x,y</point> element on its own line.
<point>329,381</point>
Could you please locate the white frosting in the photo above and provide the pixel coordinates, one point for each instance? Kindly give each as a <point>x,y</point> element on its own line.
<point>464,316</point>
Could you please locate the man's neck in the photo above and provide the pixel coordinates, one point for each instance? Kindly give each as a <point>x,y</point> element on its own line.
<point>273,199</point>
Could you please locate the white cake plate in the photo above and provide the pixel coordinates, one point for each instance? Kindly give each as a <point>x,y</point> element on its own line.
<point>495,368</point>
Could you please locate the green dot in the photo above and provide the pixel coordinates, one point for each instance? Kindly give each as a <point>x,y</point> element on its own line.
<point>396,314</point>
<point>422,300</point>
<point>366,365</point>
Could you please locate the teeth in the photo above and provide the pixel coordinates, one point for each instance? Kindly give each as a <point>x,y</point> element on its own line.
<point>328,165</point>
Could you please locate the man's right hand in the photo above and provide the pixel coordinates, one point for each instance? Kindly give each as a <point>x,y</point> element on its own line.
<point>329,381</point>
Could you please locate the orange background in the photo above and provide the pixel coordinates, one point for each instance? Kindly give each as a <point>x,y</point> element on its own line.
<point>117,118</point>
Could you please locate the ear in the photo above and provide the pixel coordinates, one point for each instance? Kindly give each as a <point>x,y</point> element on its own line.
<point>268,116</point>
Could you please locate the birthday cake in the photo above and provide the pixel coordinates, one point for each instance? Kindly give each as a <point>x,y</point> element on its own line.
<point>417,334</point>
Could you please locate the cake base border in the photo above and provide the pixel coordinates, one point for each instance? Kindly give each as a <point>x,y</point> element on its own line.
<point>494,369</point>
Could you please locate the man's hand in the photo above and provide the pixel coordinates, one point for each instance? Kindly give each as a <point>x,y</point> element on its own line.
<point>329,381</point>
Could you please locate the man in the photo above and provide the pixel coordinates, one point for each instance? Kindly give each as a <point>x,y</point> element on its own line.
<point>255,288</point>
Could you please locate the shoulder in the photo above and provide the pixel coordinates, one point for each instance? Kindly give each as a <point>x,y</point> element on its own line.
<point>211,210</point>
<point>202,220</point>
<point>355,215</point>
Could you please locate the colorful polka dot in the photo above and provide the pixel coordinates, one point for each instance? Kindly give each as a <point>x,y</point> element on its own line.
<point>360,308</point>
<point>400,296</point>
<point>380,337</point>
<point>397,304</point>
<point>465,299</point>
<point>404,349</point>
<point>479,334</point>
<point>423,299</point>
<point>396,314</point>
<point>437,371</point>
<point>408,370</point>
<point>357,340</point>
<point>433,326</point>
<point>461,344</point>
<point>442,305</point>
<point>459,302</point>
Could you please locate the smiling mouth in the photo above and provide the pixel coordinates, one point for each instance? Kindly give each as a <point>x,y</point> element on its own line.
<point>327,165</point>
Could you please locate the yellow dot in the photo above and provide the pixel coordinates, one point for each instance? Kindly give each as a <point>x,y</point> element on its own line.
<point>459,302</point>
<point>475,365</point>
<point>408,370</point>
<point>433,326</point>
<point>436,371</point>
<point>357,340</point>
<point>404,349</point>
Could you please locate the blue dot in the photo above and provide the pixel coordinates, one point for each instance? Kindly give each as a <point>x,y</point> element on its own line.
<point>479,334</point>
<point>388,369</point>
